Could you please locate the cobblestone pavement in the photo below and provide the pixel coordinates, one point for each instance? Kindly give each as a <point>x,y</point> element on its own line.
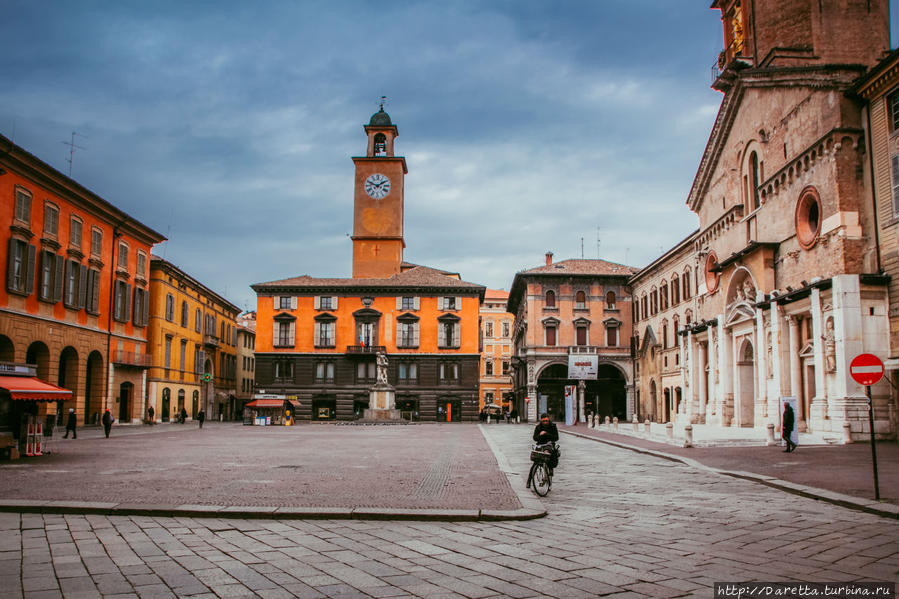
<point>414,466</point>
<point>620,524</point>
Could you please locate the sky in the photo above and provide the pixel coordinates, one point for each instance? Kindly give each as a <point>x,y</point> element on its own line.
<point>570,126</point>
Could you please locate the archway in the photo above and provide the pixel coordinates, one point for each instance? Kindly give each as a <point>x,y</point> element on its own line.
<point>653,397</point>
<point>610,391</point>
<point>208,388</point>
<point>93,385</point>
<point>746,372</point>
<point>166,408</point>
<point>667,405</point>
<point>68,379</point>
<point>551,391</point>
<point>39,355</point>
<point>126,401</point>
<point>7,350</point>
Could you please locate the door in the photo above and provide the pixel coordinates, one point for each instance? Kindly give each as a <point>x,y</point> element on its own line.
<point>125,396</point>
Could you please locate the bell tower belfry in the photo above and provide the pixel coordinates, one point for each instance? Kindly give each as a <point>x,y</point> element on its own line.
<point>378,203</point>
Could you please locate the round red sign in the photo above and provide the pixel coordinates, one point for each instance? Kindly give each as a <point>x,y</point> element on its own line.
<point>866,369</point>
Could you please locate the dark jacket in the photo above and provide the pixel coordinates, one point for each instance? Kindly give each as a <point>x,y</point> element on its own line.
<point>552,433</point>
<point>789,419</point>
<point>107,418</point>
<point>71,422</point>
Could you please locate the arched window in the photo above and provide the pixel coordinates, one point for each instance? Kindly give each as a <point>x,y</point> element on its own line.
<point>675,291</point>
<point>664,334</point>
<point>610,300</point>
<point>685,285</point>
<point>580,300</point>
<point>550,299</point>
<point>754,173</point>
<point>663,296</point>
<point>380,148</point>
<point>645,308</point>
<point>654,301</point>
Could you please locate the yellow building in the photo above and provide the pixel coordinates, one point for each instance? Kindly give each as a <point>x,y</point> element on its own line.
<point>496,335</point>
<point>193,346</point>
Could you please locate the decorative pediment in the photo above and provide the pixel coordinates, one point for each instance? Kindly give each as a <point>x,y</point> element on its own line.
<point>649,340</point>
<point>325,317</point>
<point>366,313</point>
<point>612,322</point>
<point>582,322</point>
<point>807,351</point>
<point>550,321</point>
<point>448,318</point>
<point>284,317</point>
<point>407,317</point>
<point>741,312</point>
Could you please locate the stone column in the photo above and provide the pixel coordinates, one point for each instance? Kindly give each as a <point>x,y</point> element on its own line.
<point>708,402</point>
<point>760,404</point>
<point>581,396</point>
<point>532,391</point>
<point>701,390</point>
<point>144,397</point>
<point>795,365</point>
<point>730,407</point>
<point>725,395</point>
<point>690,376</point>
<point>818,415</point>
<point>777,378</point>
<point>629,390</point>
<point>849,401</point>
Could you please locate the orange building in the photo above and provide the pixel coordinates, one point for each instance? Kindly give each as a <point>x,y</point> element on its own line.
<point>496,358</point>
<point>317,338</point>
<point>76,295</point>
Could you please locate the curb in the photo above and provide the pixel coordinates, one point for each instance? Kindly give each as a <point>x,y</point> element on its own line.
<point>263,512</point>
<point>871,506</point>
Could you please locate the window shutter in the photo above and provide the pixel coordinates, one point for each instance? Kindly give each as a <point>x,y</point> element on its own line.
<point>201,367</point>
<point>127,304</point>
<point>293,303</point>
<point>136,311</point>
<point>276,303</point>
<point>459,303</point>
<point>29,269</point>
<point>317,302</point>
<point>317,334</point>
<point>457,339</point>
<point>334,302</point>
<point>416,304</point>
<point>275,332</point>
<point>399,303</point>
<point>10,265</point>
<point>415,334</point>
<point>95,290</point>
<point>441,335</point>
<point>82,287</point>
<point>399,334</point>
<point>293,328</point>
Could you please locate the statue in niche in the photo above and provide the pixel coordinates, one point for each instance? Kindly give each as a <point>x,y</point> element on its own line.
<point>739,296</point>
<point>748,290</point>
<point>830,346</point>
<point>382,368</point>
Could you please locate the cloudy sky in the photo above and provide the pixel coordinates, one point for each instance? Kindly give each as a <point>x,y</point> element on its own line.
<point>528,126</point>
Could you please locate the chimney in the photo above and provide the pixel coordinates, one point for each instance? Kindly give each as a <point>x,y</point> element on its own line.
<point>549,258</point>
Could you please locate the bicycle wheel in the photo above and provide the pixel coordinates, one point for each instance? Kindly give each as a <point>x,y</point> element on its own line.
<point>542,480</point>
<point>531,476</point>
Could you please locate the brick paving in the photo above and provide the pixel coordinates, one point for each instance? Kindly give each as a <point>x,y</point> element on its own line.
<point>620,523</point>
<point>426,466</point>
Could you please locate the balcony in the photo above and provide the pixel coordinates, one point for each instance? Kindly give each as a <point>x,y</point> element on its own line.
<point>365,350</point>
<point>583,349</point>
<point>210,340</point>
<point>129,358</point>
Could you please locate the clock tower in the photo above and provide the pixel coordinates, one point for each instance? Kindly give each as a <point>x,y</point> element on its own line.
<point>378,203</point>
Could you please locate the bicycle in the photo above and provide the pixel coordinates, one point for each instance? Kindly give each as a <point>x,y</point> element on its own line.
<point>544,457</point>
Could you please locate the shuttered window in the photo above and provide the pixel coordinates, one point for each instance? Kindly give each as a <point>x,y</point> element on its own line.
<point>20,267</point>
<point>895,166</point>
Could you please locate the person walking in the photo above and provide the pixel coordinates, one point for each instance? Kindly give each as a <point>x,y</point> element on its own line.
<point>201,417</point>
<point>150,414</point>
<point>107,422</point>
<point>789,420</point>
<point>71,423</point>
<point>183,415</point>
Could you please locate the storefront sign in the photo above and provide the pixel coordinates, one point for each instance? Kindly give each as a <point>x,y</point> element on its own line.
<point>583,366</point>
<point>269,396</point>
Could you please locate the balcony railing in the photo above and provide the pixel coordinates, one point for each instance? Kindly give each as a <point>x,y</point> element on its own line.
<point>128,358</point>
<point>366,349</point>
<point>210,340</point>
<point>583,349</point>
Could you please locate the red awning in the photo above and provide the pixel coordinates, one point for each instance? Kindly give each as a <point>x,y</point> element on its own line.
<point>30,388</point>
<point>266,403</point>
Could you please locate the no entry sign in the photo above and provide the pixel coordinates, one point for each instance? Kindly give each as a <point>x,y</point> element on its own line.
<point>866,369</point>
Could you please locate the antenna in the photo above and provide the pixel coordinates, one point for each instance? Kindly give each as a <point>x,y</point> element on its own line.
<point>582,248</point>
<point>72,147</point>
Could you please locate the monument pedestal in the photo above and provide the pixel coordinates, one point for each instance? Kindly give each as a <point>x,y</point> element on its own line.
<point>381,399</point>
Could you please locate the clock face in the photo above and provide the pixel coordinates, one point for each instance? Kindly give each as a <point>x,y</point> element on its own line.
<point>377,186</point>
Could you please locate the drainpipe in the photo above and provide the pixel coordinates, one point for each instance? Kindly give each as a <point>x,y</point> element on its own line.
<point>116,234</point>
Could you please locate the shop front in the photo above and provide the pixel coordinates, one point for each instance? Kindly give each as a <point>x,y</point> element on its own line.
<point>24,416</point>
<point>270,412</point>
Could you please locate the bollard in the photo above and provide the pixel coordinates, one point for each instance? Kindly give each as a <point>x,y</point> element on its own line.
<point>770,440</point>
<point>615,423</point>
<point>847,433</point>
<point>608,420</point>
<point>688,435</point>
<point>646,426</point>
<point>669,430</point>
<point>636,425</point>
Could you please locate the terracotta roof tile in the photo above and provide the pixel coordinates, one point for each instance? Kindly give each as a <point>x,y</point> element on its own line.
<point>582,267</point>
<point>419,276</point>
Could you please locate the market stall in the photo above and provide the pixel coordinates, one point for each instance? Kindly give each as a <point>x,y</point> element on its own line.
<point>269,412</point>
<point>23,399</point>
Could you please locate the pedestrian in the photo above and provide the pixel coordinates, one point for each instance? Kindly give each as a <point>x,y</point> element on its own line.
<point>107,422</point>
<point>514,414</point>
<point>183,415</point>
<point>150,414</point>
<point>789,420</point>
<point>71,424</point>
<point>201,416</point>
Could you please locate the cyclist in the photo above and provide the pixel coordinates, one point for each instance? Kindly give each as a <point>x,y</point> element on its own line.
<point>546,431</point>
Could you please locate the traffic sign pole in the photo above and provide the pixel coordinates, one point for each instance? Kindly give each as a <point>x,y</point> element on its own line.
<point>873,447</point>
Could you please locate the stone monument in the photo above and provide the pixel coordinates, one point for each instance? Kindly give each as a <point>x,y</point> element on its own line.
<point>382,396</point>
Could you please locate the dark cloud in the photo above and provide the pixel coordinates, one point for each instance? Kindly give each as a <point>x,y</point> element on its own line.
<point>229,126</point>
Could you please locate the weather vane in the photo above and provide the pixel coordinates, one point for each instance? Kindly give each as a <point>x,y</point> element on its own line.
<point>383,101</point>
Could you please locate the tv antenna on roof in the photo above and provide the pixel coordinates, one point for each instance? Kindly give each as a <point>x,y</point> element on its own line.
<point>72,147</point>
